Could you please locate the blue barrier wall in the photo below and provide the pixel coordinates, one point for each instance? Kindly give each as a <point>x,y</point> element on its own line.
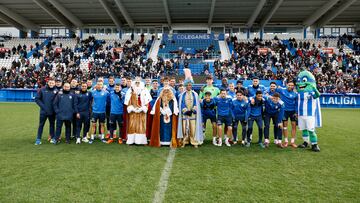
<point>326,100</point>
<point>17,95</point>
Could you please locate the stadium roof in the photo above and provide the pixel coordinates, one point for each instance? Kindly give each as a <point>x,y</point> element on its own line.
<point>32,14</point>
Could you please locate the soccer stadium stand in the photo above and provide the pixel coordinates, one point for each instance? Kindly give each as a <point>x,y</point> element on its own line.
<point>64,42</point>
<point>336,71</point>
<point>28,42</point>
<point>330,59</point>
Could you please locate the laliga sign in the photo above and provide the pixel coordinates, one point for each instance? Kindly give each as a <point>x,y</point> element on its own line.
<point>339,100</point>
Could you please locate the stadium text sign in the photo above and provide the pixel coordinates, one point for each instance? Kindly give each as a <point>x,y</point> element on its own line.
<point>340,101</point>
<point>192,36</point>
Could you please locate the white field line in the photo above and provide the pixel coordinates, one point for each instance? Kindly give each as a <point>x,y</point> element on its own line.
<point>163,183</point>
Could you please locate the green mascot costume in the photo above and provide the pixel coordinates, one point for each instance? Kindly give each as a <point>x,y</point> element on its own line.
<point>309,112</point>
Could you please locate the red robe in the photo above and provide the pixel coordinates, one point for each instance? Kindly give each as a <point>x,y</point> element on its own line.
<point>125,121</point>
<point>155,130</point>
<point>149,120</point>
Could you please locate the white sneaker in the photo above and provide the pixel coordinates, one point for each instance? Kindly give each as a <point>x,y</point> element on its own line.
<point>220,143</point>
<point>275,141</point>
<point>85,140</point>
<point>227,142</point>
<point>214,141</point>
<point>78,141</point>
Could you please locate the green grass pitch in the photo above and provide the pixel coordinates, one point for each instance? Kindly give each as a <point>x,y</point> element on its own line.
<point>119,173</point>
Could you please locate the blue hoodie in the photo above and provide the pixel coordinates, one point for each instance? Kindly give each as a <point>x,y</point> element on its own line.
<point>257,108</point>
<point>252,90</point>
<point>117,102</point>
<point>208,108</point>
<point>224,106</point>
<point>272,108</point>
<point>240,109</point>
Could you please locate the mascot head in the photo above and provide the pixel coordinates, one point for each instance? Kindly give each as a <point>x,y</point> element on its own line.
<point>305,82</point>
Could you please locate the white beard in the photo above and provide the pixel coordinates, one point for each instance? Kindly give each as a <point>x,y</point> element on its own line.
<point>137,90</point>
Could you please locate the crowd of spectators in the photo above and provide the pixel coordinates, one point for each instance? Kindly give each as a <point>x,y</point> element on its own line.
<point>267,60</point>
<point>271,60</point>
<point>19,50</point>
<point>185,53</point>
<point>117,59</point>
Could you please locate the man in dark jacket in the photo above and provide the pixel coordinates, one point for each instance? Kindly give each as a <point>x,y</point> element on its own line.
<point>65,108</point>
<point>83,106</point>
<point>58,84</point>
<point>44,99</point>
<point>74,89</point>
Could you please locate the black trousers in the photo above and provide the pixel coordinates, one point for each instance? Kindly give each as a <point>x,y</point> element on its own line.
<point>74,124</point>
<point>235,129</point>
<point>42,120</point>
<point>259,122</point>
<point>83,122</point>
<point>59,124</point>
<point>277,130</point>
<point>115,120</point>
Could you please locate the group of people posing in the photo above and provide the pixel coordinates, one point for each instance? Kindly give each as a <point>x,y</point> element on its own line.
<point>141,113</point>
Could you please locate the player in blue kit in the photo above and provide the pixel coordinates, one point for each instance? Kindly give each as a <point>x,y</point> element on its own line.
<point>224,116</point>
<point>274,110</point>
<point>232,91</point>
<point>240,109</point>
<point>98,111</point>
<point>289,97</point>
<point>255,115</point>
<point>208,109</point>
<point>166,83</point>
<point>252,89</point>
<point>272,89</point>
<point>116,113</point>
